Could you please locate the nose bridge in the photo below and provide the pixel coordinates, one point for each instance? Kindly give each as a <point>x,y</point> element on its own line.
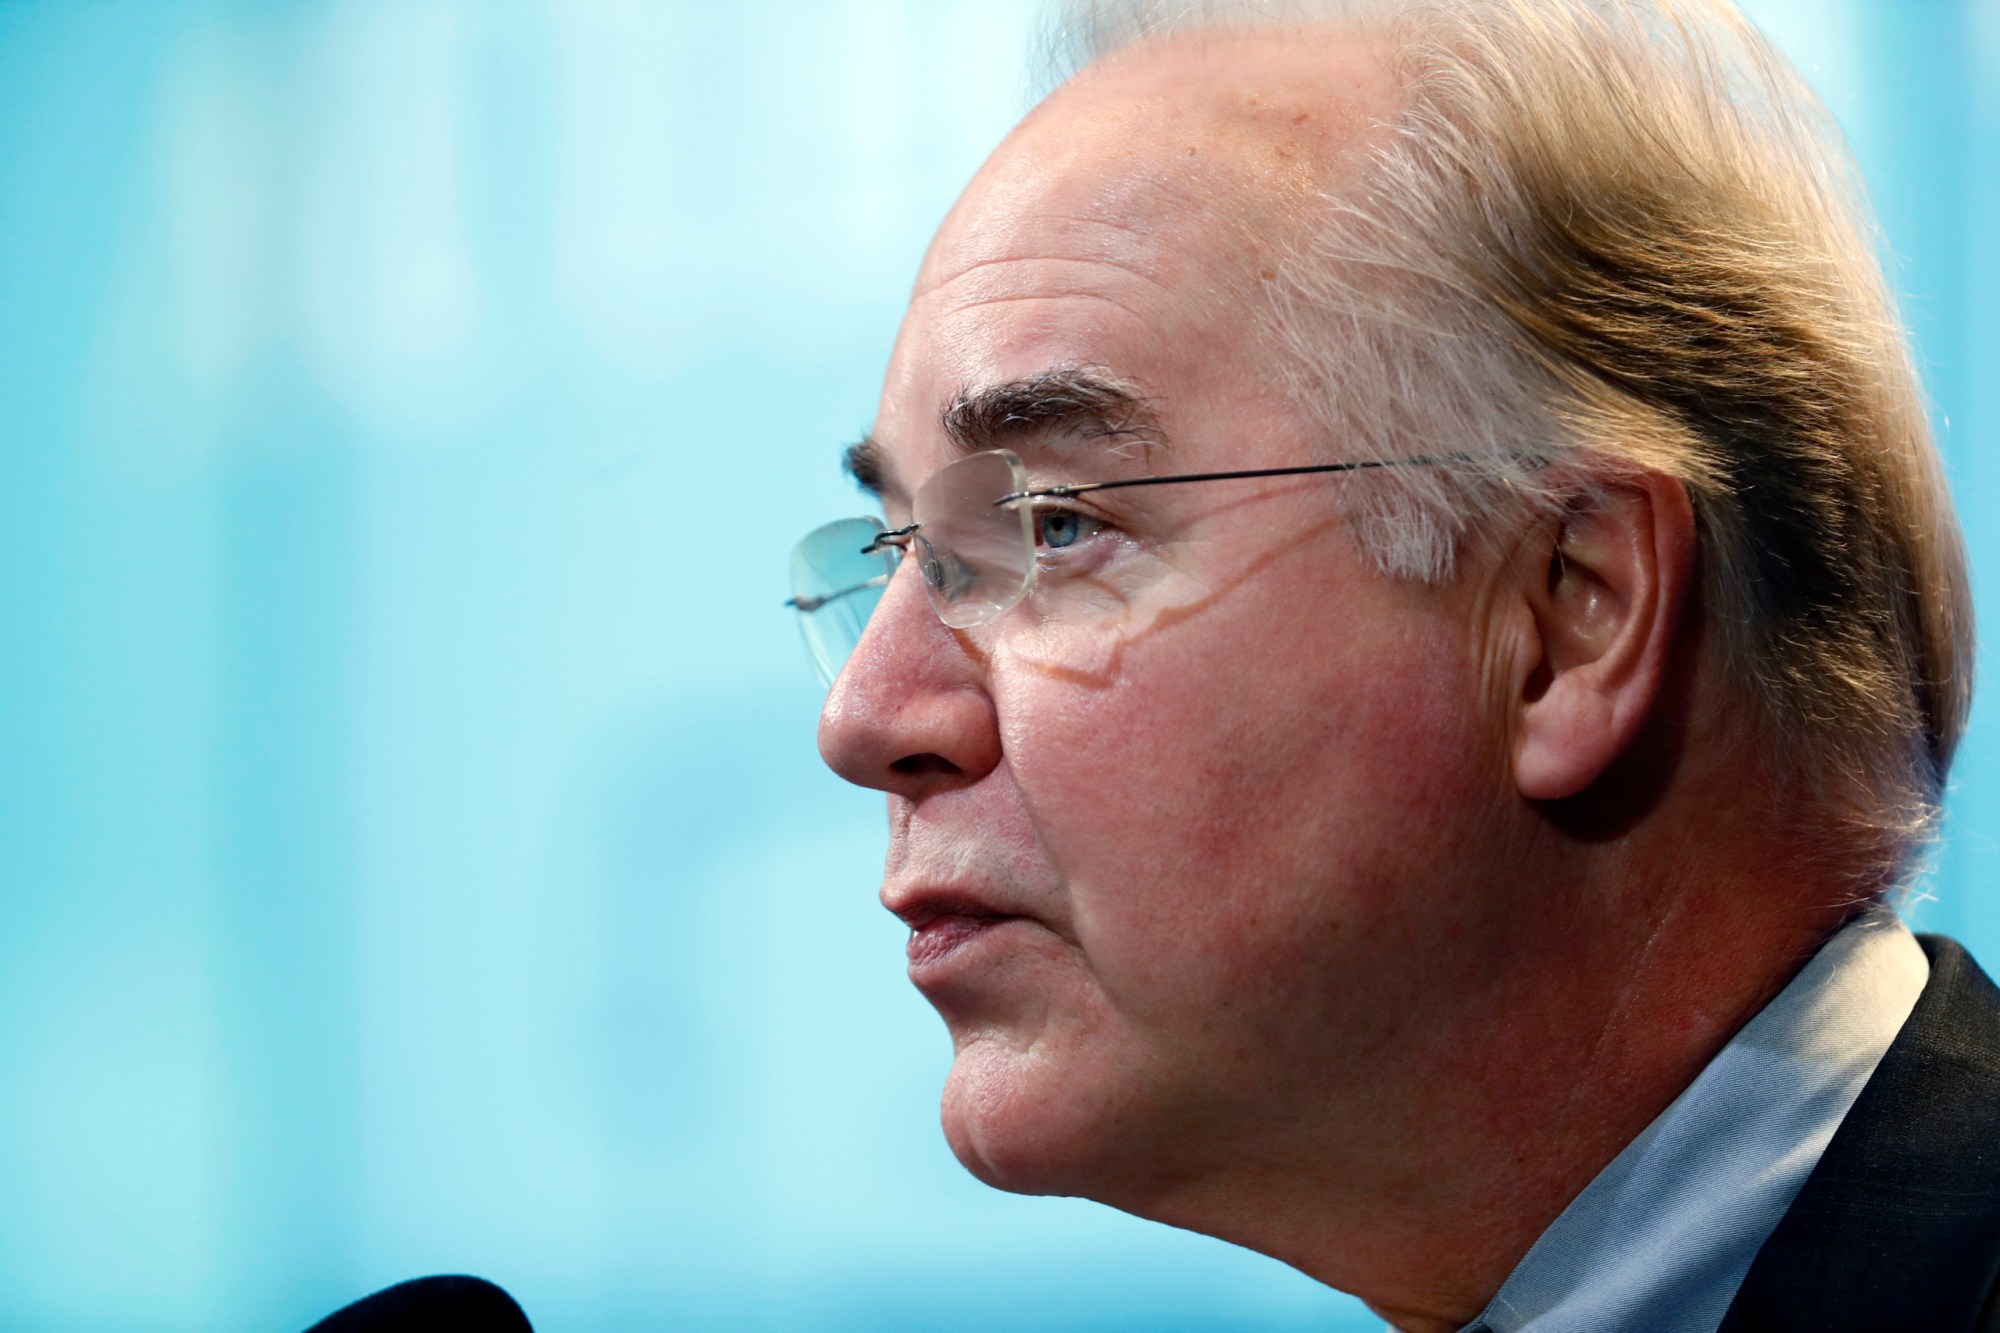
<point>903,614</point>
<point>910,709</point>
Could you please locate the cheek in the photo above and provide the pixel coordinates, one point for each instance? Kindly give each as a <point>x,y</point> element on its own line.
<point>1239,794</point>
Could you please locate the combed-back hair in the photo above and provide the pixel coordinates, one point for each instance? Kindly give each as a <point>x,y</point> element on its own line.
<point>1601,236</point>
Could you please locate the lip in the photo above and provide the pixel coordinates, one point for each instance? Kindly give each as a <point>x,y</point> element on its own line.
<point>942,922</point>
<point>944,935</point>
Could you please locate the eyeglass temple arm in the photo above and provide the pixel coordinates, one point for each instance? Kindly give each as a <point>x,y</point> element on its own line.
<point>899,539</point>
<point>901,536</point>
<point>1083,487</point>
<point>815,603</point>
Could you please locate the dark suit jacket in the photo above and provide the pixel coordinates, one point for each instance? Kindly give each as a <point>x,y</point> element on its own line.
<point>1898,1227</point>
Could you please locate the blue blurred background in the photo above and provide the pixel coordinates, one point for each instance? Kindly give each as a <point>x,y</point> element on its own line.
<point>413,853</point>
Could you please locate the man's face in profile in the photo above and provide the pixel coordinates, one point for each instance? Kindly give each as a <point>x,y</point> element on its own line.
<point>1182,837</point>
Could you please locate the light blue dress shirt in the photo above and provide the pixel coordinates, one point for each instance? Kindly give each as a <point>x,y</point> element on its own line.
<point>1663,1237</point>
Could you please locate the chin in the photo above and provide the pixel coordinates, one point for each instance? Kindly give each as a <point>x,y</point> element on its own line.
<point>1023,1123</point>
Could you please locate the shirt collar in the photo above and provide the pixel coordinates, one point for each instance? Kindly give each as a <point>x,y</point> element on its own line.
<point>1664,1235</point>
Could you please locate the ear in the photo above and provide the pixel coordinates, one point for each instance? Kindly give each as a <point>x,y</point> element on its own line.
<point>1606,608</point>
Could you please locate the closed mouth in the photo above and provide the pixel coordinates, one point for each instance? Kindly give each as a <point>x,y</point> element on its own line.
<point>945,933</point>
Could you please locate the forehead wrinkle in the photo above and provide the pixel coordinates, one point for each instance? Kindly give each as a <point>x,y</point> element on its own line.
<point>1112,301</point>
<point>1070,194</point>
<point>1198,253</point>
<point>1001,261</point>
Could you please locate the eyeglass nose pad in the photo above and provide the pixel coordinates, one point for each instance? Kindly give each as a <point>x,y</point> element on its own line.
<point>943,575</point>
<point>948,576</point>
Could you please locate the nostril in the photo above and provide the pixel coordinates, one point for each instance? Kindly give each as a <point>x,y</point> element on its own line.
<point>924,765</point>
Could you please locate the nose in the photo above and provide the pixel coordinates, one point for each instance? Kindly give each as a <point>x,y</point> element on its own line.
<point>910,713</point>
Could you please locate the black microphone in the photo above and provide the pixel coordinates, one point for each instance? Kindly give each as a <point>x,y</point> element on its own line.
<point>425,1304</point>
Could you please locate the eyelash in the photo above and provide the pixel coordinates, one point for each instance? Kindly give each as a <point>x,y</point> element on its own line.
<point>1045,510</point>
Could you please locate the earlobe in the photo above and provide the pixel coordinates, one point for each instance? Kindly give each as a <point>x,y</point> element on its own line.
<point>1605,605</point>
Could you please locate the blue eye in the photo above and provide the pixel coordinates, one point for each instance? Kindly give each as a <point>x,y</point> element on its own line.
<point>1059,528</point>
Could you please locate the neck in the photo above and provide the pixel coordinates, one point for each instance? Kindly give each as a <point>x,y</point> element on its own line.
<point>1421,1192</point>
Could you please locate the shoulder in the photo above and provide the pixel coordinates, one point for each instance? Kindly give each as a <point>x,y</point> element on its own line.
<point>1899,1224</point>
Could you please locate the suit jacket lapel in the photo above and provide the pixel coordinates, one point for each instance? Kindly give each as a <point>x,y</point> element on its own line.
<point>1898,1227</point>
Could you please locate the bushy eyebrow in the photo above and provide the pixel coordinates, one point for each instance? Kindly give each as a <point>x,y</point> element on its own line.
<point>1078,400</point>
<point>864,462</point>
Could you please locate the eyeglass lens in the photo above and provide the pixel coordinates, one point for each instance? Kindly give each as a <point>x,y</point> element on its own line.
<point>836,583</point>
<point>976,555</point>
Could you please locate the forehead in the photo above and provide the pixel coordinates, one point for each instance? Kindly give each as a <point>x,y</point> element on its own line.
<point>1134,222</point>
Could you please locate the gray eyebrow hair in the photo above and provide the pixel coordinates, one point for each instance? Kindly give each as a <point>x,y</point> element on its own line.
<point>1085,400</point>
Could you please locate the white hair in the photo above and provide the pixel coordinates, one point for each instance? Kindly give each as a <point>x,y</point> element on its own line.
<point>1608,235</point>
